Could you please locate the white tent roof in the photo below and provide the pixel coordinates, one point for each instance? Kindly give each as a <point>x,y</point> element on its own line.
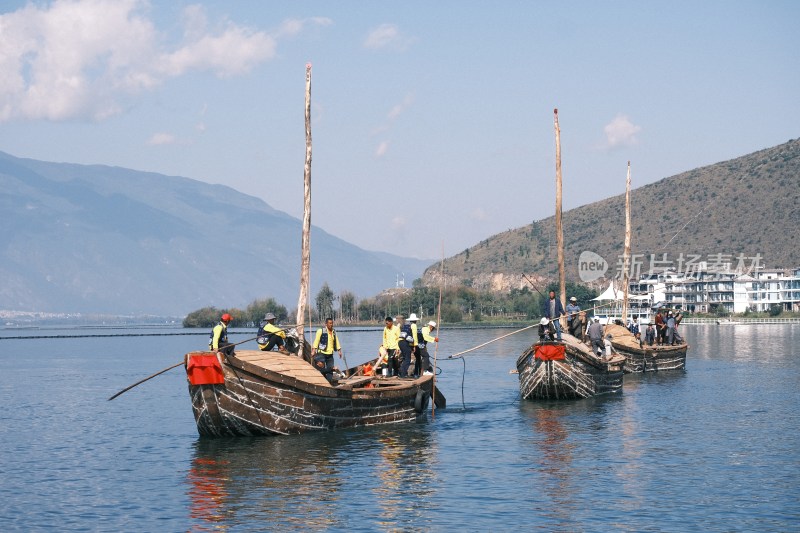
<point>614,294</point>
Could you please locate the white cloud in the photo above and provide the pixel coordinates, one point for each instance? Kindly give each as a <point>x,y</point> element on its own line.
<point>291,27</point>
<point>161,138</point>
<point>386,36</point>
<point>383,147</point>
<point>399,223</point>
<point>82,58</point>
<point>621,132</point>
<point>398,109</point>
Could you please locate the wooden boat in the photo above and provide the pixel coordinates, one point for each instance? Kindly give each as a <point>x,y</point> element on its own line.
<point>567,370</point>
<point>271,393</point>
<point>257,392</point>
<point>646,358</point>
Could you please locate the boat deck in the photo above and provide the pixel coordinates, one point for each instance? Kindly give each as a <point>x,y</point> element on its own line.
<point>287,365</point>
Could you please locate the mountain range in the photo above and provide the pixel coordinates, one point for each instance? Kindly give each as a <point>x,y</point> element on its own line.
<point>99,239</point>
<point>743,212</point>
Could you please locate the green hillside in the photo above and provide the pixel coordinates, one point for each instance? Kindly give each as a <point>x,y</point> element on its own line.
<point>720,213</point>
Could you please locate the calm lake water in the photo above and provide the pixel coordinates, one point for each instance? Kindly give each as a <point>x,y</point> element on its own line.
<point>715,448</point>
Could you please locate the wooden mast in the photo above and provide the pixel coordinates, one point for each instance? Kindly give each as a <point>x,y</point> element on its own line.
<point>305,260</point>
<point>559,229</point>
<point>626,257</point>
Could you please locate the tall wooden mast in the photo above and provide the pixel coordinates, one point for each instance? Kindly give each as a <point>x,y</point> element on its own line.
<point>562,279</point>
<point>305,260</point>
<point>626,257</point>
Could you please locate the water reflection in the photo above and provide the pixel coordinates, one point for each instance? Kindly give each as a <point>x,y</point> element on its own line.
<point>302,482</point>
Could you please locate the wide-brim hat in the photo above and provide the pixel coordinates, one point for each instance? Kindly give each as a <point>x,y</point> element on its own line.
<point>432,324</point>
<point>573,299</point>
<point>269,316</point>
<point>544,321</point>
<point>412,317</point>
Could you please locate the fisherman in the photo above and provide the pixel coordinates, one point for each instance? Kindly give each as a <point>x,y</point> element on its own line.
<point>573,320</point>
<point>218,340</point>
<point>678,318</point>
<point>634,326</point>
<point>407,341</point>
<point>389,349</point>
<point>325,343</point>
<point>650,335</point>
<point>670,329</point>
<point>595,333</point>
<point>427,336</point>
<point>608,346</point>
<point>270,335</point>
<point>554,310</point>
<point>415,349</point>
<point>661,329</point>
<point>545,330</point>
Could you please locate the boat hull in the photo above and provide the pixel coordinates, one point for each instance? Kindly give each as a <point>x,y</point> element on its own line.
<point>255,400</point>
<point>647,358</point>
<point>578,375</point>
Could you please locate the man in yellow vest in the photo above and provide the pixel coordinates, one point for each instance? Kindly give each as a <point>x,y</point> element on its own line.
<point>389,348</point>
<point>270,335</point>
<point>218,342</point>
<point>428,336</point>
<point>325,342</point>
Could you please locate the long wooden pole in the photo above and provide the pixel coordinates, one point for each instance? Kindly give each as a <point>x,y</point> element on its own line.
<point>562,278</point>
<point>438,331</point>
<point>305,260</point>
<point>626,257</point>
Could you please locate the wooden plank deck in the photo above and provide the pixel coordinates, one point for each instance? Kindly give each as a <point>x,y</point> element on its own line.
<point>288,365</point>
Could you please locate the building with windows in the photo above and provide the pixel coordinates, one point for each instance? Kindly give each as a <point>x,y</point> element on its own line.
<point>705,291</point>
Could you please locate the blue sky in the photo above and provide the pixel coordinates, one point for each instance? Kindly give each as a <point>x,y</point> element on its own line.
<point>432,121</point>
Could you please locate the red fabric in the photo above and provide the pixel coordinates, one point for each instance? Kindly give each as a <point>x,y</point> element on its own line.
<point>550,352</point>
<point>204,370</point>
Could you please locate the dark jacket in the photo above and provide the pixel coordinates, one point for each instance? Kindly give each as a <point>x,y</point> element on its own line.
<point>559,309</point>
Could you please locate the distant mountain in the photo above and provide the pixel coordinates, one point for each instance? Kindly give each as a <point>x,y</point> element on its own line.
<point>101,239</point>
<point>727,212</point>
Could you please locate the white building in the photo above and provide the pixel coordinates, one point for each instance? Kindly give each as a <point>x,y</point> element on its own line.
<point>705,292</point>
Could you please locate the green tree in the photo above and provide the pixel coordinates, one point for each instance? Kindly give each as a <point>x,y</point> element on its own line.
<point>258,308</point>
<point>349,309</point>
<point>324,301</point>
<point>775,310</point>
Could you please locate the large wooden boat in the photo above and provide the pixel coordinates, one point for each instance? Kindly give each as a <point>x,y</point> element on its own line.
<point>567,370</point>
<point>271,393</point>
<point>646,358</point>
<point>256,392</point>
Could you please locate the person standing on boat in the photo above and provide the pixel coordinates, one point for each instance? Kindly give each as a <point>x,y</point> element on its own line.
<point>389,348</point>
<point>554,310</point>
<point>415,349</point>
<point>595,333</point>
<point>325,343</point>
<point>407,341</point>
<point>270,335</point>
<point>219,336</point>
<point>661,329</point>
<point>670,329</point>
<point>573,320</point>
<point>634,326</point>
<point>427,337</point>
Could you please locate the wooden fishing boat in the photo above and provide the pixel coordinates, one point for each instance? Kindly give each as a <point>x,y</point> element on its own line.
<point>646,358</point>
<point>271,393</point>
<point>567,370</point>
<point>256,392</point>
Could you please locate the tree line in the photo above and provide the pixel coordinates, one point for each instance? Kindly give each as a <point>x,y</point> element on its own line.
<point>459,304</point>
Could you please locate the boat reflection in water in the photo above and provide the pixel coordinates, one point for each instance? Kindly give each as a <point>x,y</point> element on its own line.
<point>301,482</point>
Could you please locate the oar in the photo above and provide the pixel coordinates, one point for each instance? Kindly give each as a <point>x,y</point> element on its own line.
<point>126,389</point>
<point>345,362</point>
